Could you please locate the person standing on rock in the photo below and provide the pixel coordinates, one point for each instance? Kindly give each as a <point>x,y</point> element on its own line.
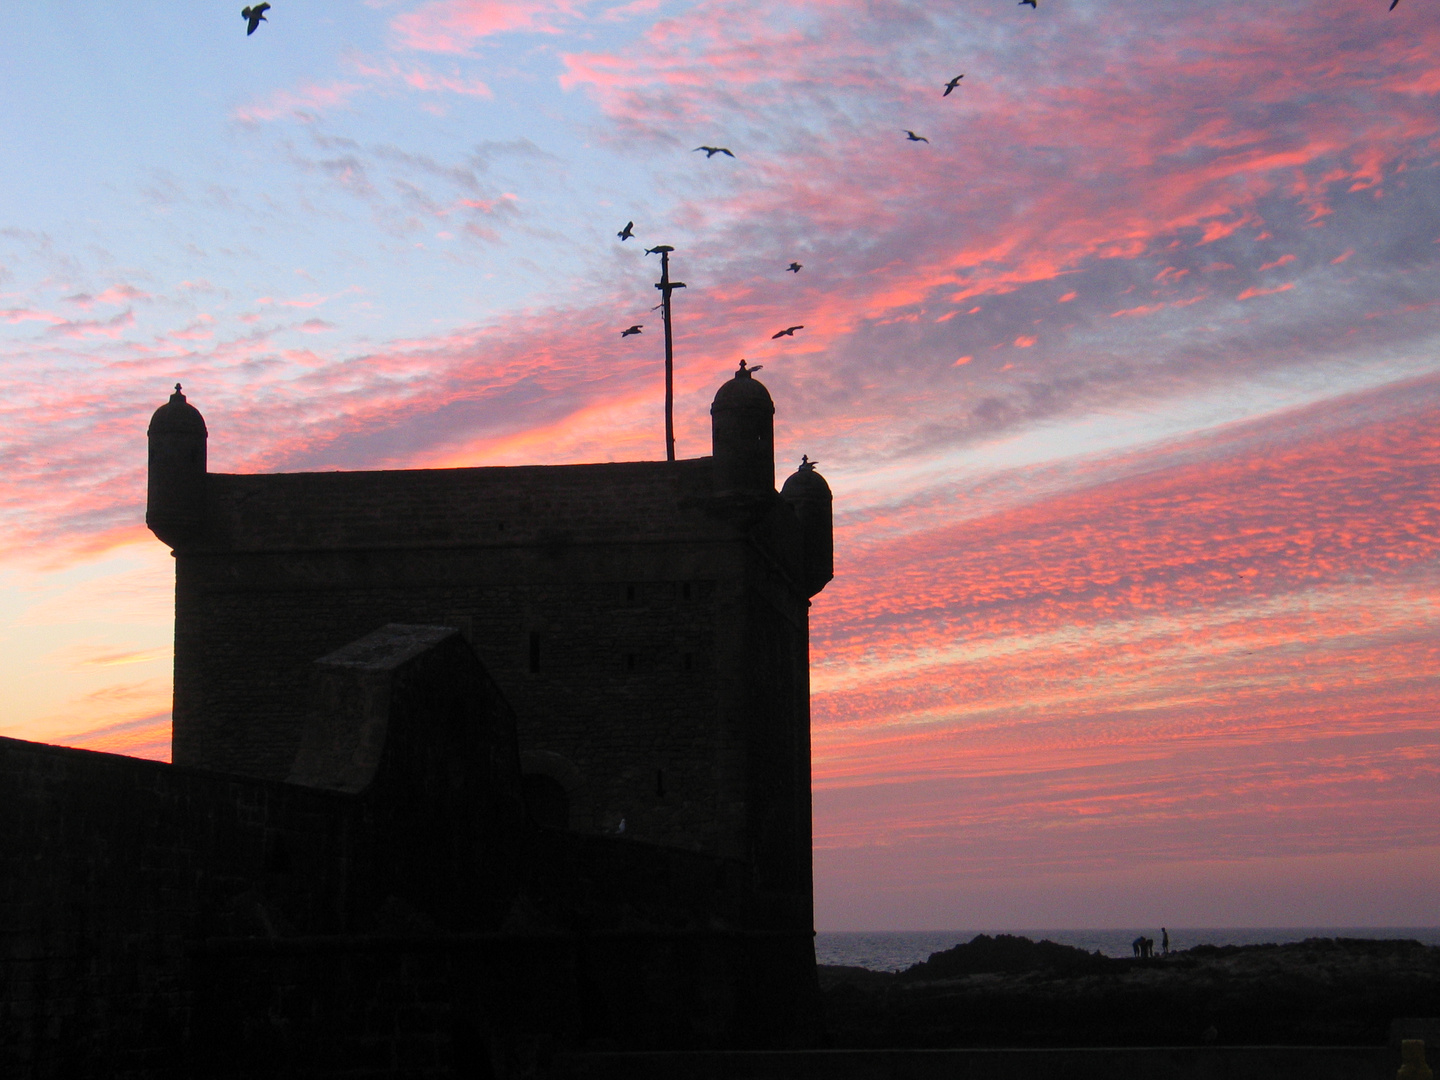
<point>1164,942</point>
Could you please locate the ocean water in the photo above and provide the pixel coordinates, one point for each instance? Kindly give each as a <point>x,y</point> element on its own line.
<point>896,950</point>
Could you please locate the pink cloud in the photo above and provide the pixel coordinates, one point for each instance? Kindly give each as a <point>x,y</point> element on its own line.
<point>19,315</point>
<point>1123,653</point>
<point>1200,178</point>
<point>455,26</point>
<point>112,327</point>
<point>305,99</point>
<point>1281,261</point>
<point>116,294</point>
<point>1257,291</point>
<point>391,71</point>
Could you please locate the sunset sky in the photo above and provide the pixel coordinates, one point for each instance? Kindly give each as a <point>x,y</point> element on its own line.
<point>1127,383</point>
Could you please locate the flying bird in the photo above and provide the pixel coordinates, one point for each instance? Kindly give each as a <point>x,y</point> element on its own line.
<point>255,15</point>
<point>711,151</point>
<point>794,268</point>
<point>912,137</point>
<point>627,232</point>
<point>633,330</point>
<point>1393,3</point>
<point>789,331</point>
<point>951,85</point>
<point>1030,2</point>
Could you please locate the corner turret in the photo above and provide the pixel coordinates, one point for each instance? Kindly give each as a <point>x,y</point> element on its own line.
<point>742,432</point>
<point>175,505</point>
<point>809,494</point>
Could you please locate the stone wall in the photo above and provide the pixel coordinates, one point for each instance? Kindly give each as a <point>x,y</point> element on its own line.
<point>625,612</point>
<point>110,865</point>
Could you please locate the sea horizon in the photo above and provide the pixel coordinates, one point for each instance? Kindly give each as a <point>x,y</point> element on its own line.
<point>895,950</point>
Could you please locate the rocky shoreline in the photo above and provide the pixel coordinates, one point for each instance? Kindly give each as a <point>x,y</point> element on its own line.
<point>1008,991</point>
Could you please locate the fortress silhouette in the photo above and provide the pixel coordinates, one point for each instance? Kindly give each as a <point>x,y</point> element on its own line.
<point>469,766</point>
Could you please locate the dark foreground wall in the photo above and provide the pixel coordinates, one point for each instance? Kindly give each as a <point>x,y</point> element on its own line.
<point>110,865</point>
<point>1127,1063</point>
<point>393,915</point>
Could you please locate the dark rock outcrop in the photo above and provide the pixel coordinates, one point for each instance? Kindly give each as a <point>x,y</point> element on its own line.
<point>1007,953</point>
<point>1320,992</point>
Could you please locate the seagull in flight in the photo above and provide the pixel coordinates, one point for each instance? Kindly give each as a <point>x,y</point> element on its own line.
<point>1393,3</point>
<point>711,151</point>
<point>1030,2</point>
<point>794,268</point>
<point>633,330</point>
<point>912,137</point>
<point>789,331</point>
<point>255,15</point>
<point>627,232</point>
<point>951,85</point>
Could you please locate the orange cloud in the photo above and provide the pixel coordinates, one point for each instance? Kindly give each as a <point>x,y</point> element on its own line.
<point>1257,291</point>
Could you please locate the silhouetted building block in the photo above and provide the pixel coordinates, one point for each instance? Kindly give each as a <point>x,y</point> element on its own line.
<point>644,619</point>
<point>468,762</point>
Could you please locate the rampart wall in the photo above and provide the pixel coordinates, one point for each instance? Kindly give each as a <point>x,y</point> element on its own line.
<point>393,915</point>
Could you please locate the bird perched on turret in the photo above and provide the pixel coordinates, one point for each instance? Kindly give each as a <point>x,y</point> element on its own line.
<point>951,85</point>
<point>711,151</point>
<point>627,232</point>
<point>789,331</point>
<point>794,268</point>
<point>633,330</point>
<point>912,137</point>
<point>255,16</point>
<point>658,249</point>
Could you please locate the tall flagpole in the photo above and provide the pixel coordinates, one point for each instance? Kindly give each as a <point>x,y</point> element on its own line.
<point>666,286</point>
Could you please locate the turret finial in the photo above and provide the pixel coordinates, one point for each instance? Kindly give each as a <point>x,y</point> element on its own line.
<point>806,465</point>
<point>747,372</point>
<point>177,387</point>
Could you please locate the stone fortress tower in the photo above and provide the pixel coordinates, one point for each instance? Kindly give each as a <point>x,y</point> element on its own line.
<point>647,622</point>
